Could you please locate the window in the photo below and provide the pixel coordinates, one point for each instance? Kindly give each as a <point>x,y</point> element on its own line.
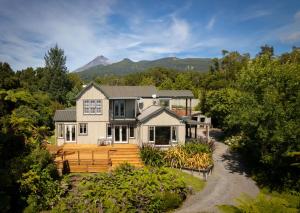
<point>108,131</point>
<point>131,131</point>
<point>164,102</point>
<point>83,128</point>
<point>151,134</point>
<point>92,106</point>
<point>174,133</point>
<point>60,130</point>
<point>119,108</point>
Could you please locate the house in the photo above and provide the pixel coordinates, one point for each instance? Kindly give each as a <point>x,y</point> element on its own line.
<point>123,115</point>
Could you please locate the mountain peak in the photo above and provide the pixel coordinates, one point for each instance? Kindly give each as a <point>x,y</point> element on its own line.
<point>127,60</point>
<point>99,60</point>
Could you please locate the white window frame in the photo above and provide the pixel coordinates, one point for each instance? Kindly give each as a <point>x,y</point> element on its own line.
<point>60,130</point>
<point>81,127</point>
<point>149,130</point>
<point>129,129</point>
<point>92,106</point>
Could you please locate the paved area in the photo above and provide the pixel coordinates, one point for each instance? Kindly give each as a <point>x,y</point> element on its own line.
<point>227,182</point>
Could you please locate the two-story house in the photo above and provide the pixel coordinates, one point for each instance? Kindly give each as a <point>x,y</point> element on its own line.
<point>122,114</point>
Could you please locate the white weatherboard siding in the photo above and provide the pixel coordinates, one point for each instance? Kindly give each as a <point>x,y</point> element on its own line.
<point>96,127</point>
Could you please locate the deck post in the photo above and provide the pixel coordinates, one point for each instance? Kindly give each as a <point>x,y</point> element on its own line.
<point>92,157</point>
<point>186,107</point>
<point>78,157</point>
<point>190,107</point>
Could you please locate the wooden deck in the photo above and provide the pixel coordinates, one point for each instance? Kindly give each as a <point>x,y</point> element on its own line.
<point>93,158</point>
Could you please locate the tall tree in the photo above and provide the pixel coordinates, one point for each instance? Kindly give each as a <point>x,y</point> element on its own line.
<point>266,49</point>
<point>59,83</point>
<point>8,79</point>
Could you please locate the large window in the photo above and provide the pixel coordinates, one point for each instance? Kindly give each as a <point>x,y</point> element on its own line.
<point>108,131</point>
<point>92,106</point>
<point>60,130</point>
<point>131,131</point>
<point>119,108</point>
<point>151,133</point>
<point>163,135</point>
<point>83,129</point>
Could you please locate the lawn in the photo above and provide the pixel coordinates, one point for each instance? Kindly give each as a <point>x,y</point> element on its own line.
<point>192,181</point>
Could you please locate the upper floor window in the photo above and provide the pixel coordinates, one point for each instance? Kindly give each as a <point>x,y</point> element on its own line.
<point>164,102</point>
<point>119,108</point>
<point>92,106</point>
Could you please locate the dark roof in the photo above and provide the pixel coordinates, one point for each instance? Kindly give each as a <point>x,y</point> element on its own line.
<point>152,111</point>
<point>65,115</point>
<point>128,91</point>
<point>175,94</point>
<point>136,92</point>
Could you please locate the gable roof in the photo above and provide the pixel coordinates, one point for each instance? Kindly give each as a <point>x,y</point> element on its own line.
<point>91,84</point>
<point>135,92</point>
<point>175,94</point>
<point>154,110</point>
<point>65,115</point>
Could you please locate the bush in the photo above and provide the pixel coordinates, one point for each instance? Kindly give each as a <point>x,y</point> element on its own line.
<point>274,202</point>
<point>152,156</point>
<point>235,142</point>
<point>194,147</point>
<point>39,182</point>
<point>138,190</point>
<point>192,156</point>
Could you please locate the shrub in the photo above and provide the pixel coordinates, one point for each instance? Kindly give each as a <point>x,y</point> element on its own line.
<point>152,156</point>
<point>235,142</point>
<point>124,168</point>
<point>140,190</point>
<point>192,156</point>
<point>192,148</point>
<point>274,202</point>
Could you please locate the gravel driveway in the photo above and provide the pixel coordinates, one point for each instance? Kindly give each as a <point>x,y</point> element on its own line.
<point>227,182</point>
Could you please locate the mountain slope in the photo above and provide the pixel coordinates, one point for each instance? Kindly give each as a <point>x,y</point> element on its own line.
<point>98,61</point>
<point>127,66</point>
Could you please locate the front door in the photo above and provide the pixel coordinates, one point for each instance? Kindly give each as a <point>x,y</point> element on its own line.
<point>70,131</point>
<point>120,134</point>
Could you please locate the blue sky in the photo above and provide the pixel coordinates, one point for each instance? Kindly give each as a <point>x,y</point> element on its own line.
<point>143,30</point>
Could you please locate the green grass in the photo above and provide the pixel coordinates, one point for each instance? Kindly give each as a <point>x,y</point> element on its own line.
<point>192,181</point>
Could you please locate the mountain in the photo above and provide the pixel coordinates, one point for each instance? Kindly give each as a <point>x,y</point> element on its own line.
<point>127,66</point>
<point>98,61</point>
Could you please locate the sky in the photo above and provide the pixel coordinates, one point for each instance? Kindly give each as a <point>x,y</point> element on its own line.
<point>143,30</point>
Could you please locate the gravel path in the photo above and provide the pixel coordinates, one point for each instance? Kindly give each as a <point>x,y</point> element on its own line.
<point>227,182</point>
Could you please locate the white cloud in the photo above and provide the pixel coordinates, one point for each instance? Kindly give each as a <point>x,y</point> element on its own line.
<point>211,23</point>
<point>253,14</point>
<point>290,33</point>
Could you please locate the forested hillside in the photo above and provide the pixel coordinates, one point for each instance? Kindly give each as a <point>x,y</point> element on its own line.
<point>126,66</point>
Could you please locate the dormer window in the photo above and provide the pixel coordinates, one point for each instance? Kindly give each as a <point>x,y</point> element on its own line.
<point>92,106</point>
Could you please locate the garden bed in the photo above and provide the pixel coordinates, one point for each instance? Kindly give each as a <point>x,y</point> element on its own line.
<point>193,156</point>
